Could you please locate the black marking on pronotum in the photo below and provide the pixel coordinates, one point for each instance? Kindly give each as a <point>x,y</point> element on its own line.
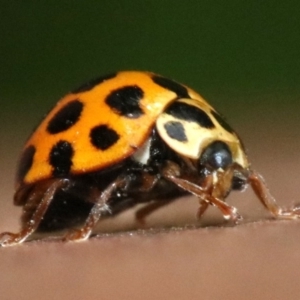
<point>66,117</point>
<point>103,137</point>
<point>190,113</point>
<point>169,84</point>
<point>25,163</point>
<point>175,130</point>
<point>92,83</point>
<point>222,122</point>
<point>60,158</point>
<point>125,101</point>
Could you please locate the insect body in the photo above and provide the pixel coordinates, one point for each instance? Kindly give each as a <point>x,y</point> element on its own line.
<point>123,139</point>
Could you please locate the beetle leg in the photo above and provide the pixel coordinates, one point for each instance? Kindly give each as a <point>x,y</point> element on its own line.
<point>149,182</point>
<point>48,191</point>
<point>100,207</point>
<point>202,209</point>
<point>145,211</point>
<point>268,201</point>
<point>219,190</point>
<point>212,194</point>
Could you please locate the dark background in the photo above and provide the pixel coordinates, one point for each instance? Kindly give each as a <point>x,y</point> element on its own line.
<point>230,50</point>
<point>242,56</point>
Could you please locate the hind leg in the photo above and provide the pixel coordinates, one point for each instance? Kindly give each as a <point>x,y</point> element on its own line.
<point>147,210</point>
<point>42,195</point>
<point>100,208</point>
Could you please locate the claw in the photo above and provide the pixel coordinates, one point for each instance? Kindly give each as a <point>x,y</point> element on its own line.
<point>233,215</point>
<point>76,235</point>
<point>296,210</point>
<point>9,239</point>
<point>292,213</point>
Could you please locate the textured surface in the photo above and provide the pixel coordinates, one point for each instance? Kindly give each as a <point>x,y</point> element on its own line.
<point>255,261</point>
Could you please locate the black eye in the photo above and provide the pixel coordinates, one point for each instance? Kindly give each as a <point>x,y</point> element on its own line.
<point>216,155</point>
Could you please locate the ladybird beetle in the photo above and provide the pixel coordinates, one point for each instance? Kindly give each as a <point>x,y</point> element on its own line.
<point>123,139</point>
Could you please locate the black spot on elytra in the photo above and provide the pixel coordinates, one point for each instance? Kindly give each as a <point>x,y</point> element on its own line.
<point>169,84</point>
<point>222,122</point>
<point>103,137</point>
<point>125,101</point>
<point>175,130</point>
<point>190,113</point>
<point>92,83</point>
<point>25,163</point>
<point>66,117</point>
<point>60,158</point>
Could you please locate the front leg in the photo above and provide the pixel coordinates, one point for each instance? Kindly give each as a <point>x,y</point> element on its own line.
<point>268,201</point>
<point>209,192</point>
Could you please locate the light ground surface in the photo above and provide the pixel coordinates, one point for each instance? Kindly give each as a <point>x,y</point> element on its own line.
<point>258,259</point>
